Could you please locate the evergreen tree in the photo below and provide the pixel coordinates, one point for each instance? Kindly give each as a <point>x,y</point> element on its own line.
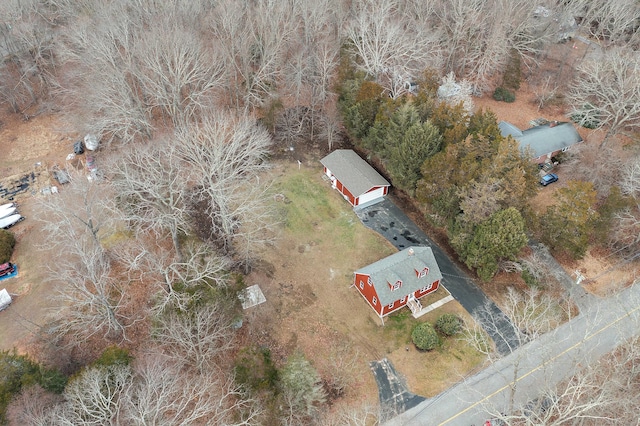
<point>567,225</point>
<point>502,236</point>
<point>409,142</point>
<point>301,386</point>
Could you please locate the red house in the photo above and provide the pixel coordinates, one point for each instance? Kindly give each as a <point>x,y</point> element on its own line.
<point>399,280</point>
<point>356,180</point>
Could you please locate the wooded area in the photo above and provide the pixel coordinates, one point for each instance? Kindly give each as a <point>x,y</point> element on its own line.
<point>191,98</point>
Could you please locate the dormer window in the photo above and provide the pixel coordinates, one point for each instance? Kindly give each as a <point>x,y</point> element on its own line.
<point>422,272</point>
<point>395,286</point>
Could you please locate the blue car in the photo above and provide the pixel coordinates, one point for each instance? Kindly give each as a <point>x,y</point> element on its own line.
<point>548,178</point>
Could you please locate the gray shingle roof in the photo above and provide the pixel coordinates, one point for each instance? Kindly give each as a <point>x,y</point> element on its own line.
<point>354,173</point>
<point>402,266</point>
<point>542,139</point>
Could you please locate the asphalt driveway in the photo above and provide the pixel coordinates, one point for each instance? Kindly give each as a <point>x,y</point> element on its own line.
<point>392,223</point>
<point>395,397</point>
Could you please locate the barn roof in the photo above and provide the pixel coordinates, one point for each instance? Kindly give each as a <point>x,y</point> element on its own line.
<point>353,172</point>
<point>543,139</point>
<point>402,266</point>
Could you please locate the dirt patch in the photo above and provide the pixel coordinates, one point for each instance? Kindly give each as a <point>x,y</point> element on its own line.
<point>29,149</point>
<point>603,272</point>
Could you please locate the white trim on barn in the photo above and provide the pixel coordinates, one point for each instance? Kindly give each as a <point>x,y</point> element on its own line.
<point>371,195</point>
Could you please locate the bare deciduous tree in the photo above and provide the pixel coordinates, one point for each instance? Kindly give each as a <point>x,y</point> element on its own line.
<point>177,71</point>
<point>530,313</point>
<point>163,393</point>
<point>477,36</point>
<point>606,92</point>
<point>586,162</point>
<point>196,336</point>
<point>600,392</point>
<point>545,93</point>
<point>253,41</point>
<point>227,155</point>
<point>81,210</point>
<point>102,83</point>
<point>27,49</point>
<point>353,415</point>
<point>455,93</point>
<point>630,183</point>
<point>91,299</point>
<point>32,407</point>
<point>93,397</point>
<point>625,233</point>
<point>156,390</point>
<point>387,48</point>
<point>612,22</point>
<point>149,261</point>
<point>151,186</point>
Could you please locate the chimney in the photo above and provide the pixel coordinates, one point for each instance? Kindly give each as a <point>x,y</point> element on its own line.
<point>410,251</point>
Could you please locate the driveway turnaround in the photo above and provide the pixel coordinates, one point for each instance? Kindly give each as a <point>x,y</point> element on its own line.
<point>395,397</point>
<point>392,223</point>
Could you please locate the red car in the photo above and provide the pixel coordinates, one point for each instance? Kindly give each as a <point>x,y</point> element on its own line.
<point>7,269</point>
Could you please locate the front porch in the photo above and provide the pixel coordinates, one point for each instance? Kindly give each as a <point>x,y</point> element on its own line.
<point>434,300</point>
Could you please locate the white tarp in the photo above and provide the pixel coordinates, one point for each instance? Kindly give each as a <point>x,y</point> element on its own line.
<point>5,299</point>
<point>251,296</point>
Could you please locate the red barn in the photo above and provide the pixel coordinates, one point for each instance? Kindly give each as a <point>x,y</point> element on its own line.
<point>356,180</point>
<point>399,280</point>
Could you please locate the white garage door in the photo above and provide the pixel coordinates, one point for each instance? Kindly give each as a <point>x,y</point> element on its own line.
<point>370,196</point>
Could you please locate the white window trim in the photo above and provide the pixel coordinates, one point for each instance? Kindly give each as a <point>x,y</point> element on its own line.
<point>426,288</point>
<point>374,300</point>
<point>361,285</point>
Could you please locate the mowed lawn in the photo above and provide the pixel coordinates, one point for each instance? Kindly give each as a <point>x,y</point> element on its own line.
<point>312,306</point>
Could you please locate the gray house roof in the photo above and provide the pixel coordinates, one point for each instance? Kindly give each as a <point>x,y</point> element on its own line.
<point>542,139</point>
<point>402,266</point>
<point>354,173</point>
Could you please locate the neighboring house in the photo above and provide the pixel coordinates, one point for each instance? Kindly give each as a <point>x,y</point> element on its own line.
<point>399,280</point>
<point>356,180</point>
<point>545,140</point>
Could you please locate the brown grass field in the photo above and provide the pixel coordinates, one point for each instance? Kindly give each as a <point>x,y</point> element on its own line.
<point>312,307</point>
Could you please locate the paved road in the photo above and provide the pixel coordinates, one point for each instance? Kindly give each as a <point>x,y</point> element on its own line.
<point>392,223</point>
<point>520,376</point>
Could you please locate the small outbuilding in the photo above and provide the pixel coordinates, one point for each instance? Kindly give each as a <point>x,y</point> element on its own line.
<point>545,140</point>
<point>354,178</point>
<point>399,280</point>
